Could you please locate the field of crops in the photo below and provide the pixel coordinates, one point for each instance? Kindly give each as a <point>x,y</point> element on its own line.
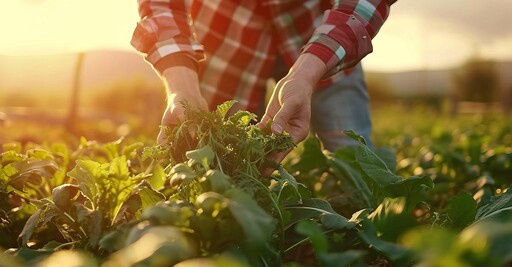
<point>432,193</point>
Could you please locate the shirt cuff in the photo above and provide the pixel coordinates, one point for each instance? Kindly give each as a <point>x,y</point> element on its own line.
<point>176,59</point>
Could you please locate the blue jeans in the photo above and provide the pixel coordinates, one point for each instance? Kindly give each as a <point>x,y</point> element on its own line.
<point>341,106</point>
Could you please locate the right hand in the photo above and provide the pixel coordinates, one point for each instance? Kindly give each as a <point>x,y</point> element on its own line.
<point>182,86</point>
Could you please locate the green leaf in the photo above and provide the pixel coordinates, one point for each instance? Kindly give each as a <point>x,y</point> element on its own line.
<point>344,172</point>
<point>64,195</point>
<point>290,191</point>
<point>223,109</point>
<point>496,206</point>
<point>398,255</point>
<point>414,189</point>
<point>84,173</point>
<point>29,228</point>
<point>148,196</point>
<point>391,219</point>
<point>311,157</point>
<point>257,224</point>
<point>355,136</point>
<point>462,210</point>
<point>494,235</point>
<point>157,178</point>
<point>313,231</point>
<point>118,168</point>
<point>153,246</point>
<point>216,181</point>
<point>203,156</point>
<point>310,208</point>
<point>336,221</point>
<point>168,213</point>
<point>387,155</point>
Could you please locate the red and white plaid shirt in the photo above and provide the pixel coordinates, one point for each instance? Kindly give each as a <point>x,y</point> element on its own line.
<point>236,41</point>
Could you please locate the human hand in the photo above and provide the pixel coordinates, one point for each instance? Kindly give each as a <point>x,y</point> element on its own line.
<point>182,87</point>
<point>289,109</point>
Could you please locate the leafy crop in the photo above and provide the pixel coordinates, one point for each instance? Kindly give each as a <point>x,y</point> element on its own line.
<point>200,199</point>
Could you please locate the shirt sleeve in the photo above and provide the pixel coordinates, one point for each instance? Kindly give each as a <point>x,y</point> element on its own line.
<point>345,34</point>
<point>165,29</point>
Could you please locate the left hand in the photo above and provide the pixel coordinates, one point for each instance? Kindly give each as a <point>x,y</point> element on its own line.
<point>290,104</point>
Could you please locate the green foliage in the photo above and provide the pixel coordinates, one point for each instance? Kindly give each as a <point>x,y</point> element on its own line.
<point>199,199</point>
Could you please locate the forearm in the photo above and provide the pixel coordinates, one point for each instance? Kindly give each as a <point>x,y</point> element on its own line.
<point>181,80</point>
<point>346,32</point>
<point>309,68</point>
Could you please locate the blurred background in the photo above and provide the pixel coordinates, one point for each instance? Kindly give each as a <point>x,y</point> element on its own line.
<point>67,68</point>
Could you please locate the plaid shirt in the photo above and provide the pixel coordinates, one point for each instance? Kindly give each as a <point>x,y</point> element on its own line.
<point>236,41</point>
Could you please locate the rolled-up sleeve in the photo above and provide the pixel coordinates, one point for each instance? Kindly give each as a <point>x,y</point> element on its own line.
<point>165,29</point>
<point>346,32</point>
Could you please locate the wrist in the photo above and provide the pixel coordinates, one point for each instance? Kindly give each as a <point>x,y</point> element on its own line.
<point>181,80</point>
<point>308,68</point>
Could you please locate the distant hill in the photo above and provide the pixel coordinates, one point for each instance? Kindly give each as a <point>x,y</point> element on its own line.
<point>433,82</point>
<point>55,72</point>
<point>101,68</point>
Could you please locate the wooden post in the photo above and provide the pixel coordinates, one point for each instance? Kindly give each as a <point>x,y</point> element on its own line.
<point>72,117</point>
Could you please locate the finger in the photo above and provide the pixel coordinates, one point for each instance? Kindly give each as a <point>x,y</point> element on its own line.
<point>281,119</point>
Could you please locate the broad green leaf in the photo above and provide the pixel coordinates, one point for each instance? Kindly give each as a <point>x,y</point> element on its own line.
<point>336,221</point>
<point>356,137</point>
<point>374,168</point>
<point>391,219</point>
<point>148,196</point>
<point>311,157</point>
<point>168,213</point>
<point>257,224</point>
<point>441,247</point>
<point>497,205</point>
<point>182,173</point>
<point>290,191</point>
<point>157,178</point>
<point>118,168</point>
<point>154,246</point>
<point>495,235</point>
<point>387,155</point>
<point>64,195</point>
<point>310,208</point>
<point>29,228</point>
<point>216,181</point>
<point>462,210</point>
<point>313,231</point>
<point>414,189</point>
<point>203,156</point>
<point>398,255</point>
<point>84,173</point>
<point>344,172</point>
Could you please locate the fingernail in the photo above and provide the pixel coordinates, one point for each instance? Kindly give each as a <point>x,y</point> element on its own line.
<point>276,128</point>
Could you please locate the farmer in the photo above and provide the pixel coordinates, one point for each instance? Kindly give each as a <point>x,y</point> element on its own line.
<point>211,51</point>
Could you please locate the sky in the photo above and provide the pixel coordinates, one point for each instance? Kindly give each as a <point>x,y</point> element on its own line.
<point>419,34</point>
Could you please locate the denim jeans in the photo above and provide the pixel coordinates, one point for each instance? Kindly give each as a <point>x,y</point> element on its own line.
<point>341,106</point>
